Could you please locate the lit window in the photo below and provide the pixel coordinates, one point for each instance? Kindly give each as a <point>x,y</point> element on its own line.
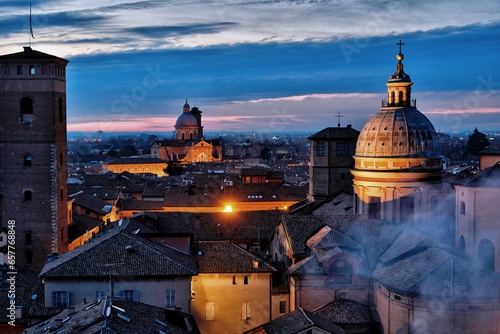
<point>245,311</point>
<point>209,311</point>
<point>32,70</point>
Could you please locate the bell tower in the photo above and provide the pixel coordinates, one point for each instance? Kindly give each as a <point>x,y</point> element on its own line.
<point>33,154</point>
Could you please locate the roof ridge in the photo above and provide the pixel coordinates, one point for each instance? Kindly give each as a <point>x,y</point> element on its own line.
<point>305,315</point>
<point>157,250</point>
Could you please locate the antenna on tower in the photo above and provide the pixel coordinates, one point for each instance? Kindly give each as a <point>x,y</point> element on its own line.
<point>31,28</point>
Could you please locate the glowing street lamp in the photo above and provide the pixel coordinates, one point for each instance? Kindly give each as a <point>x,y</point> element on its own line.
<point>228,208</point>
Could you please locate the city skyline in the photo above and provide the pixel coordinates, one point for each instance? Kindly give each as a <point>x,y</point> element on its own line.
<point>264,66</point>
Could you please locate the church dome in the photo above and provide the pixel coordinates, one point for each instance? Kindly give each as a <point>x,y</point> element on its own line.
<point>186,120</point>
<point>398,133</point>
<point>398,130</point>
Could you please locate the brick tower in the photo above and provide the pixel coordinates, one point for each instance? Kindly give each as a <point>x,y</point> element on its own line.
<point>33,171</point>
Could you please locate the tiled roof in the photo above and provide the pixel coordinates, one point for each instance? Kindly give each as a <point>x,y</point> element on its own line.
<point>401,259</point>
<point>29,291</point>
<point>127,254</point>
<point>90,202</point>
<point>124,317</point>
<point>104,193</point>
<point>140,205</point>
<point>247,225</point>
<point>336,133</point>
<point>81,224</point>
<point>30,53</point>
<point>341,204</point>
<point>253,171</point>
<point>344,311</point>
<point>489,177</point>
<point>226,257</point>
<point>296,322</point>
<point>124,181</point>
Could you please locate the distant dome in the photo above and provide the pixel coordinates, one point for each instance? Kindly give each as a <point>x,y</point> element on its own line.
<point>186,120</point>
<point>398,132</point>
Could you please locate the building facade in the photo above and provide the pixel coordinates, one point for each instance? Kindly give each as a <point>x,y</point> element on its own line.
<point>33,168</point>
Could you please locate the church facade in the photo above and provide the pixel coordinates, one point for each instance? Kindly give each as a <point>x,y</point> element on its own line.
<point>189,146</point>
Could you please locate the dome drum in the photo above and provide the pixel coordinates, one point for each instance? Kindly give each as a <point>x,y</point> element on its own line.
<point>394,164</point>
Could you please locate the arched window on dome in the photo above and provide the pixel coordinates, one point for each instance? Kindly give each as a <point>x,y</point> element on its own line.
<point>401,98</point>
<point>486,254</point>
<point>393,98</point>
<point>182,136</point>
<point>340,272</point>
<point>190,136</point>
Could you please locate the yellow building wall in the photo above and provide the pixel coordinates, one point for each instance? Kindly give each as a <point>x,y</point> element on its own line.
<point>139,168</point>
<point>236,307</point>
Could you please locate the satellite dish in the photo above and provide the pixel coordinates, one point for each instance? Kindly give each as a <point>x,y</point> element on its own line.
<point>108,311</point>
<point>120,222</point>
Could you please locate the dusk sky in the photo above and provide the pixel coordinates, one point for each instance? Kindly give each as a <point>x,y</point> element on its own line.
<point>264,65</point>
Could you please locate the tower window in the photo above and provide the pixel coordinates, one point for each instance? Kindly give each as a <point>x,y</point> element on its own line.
<point>342,149</point>
<point>19,69</point>
<point>245,280</point>
<point>28,195</point>
<point>27,160</point>
<point>60,110</point>
<point>27,238</point>
<point>26,106</point>
<point>462,208</point>
<point>320,149</point>
<point>32,70</point>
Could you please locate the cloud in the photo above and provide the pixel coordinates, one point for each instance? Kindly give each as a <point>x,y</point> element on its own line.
<point>178,30</point>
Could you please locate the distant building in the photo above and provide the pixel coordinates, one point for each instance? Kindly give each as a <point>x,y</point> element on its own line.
<point>189,146</point>
<point>138,166</point>
<point>33,167</point>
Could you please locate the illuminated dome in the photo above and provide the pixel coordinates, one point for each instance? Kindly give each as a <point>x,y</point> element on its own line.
<point>186,120</point>
<point>398,132</point>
